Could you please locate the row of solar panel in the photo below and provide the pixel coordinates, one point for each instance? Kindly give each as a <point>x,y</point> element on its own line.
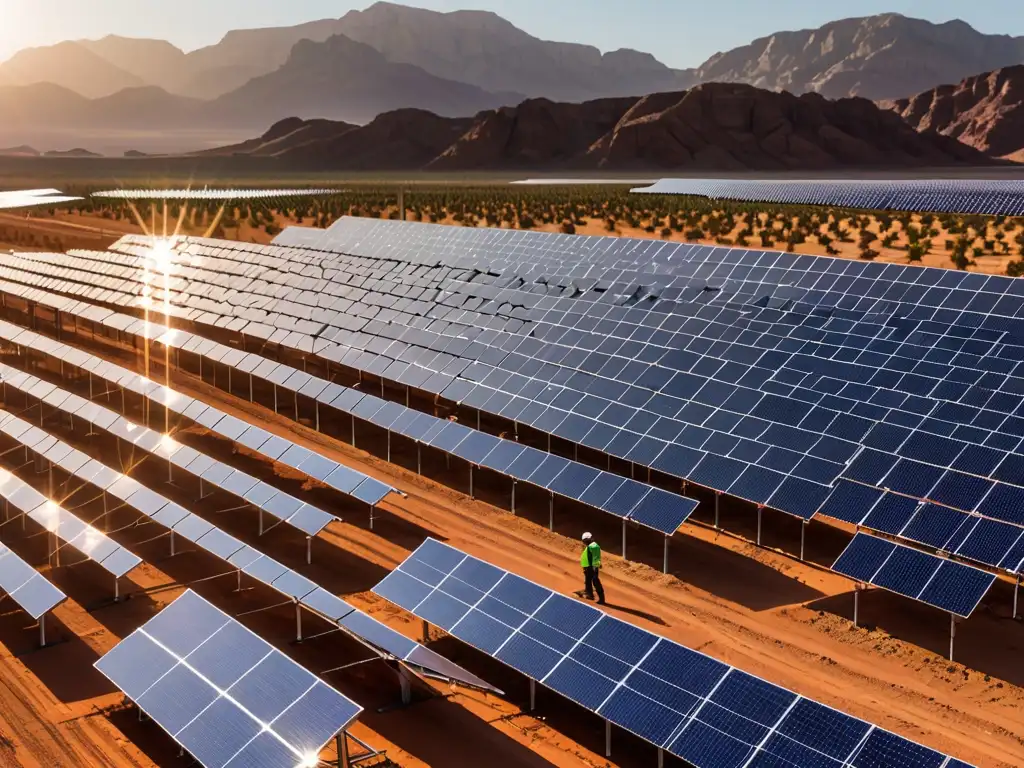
<point>282,506</point>
<point>967,196</point>
<point>680,700</point>
<point>276,448</point>
<point>992,543</point>
<point>69,529</point>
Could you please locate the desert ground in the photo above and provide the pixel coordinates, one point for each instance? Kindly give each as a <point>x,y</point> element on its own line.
<point>977,243</point>
<point>758,608</point>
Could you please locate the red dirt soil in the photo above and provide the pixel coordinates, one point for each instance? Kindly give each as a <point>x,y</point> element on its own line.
<point>755,608</point>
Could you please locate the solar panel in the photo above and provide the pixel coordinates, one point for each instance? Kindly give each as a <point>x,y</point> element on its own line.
<point>29,589</point>
<point>950,586</point>
<point>221,692</point>
<point>968,196</point>
<point>704,711</point>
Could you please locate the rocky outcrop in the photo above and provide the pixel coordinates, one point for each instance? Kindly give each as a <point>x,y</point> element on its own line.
<point>711,127</point>
<point>985,111</point>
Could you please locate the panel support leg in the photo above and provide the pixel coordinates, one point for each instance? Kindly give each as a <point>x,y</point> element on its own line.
<point>803,536</point>
<point>623,538</point>
<point>607,738</point>
<point>1016,589</point>
<point>551,512</point>
<point>952,633</point>
<point>372,510</point>
<point>661,758</point>
<point>471,482</point>
<point>533,694</point>
<point>42,631</point>
<point>309,550</point>
<point>426,631</point>
<point>513,497</point>
<point>760,509</point>
<point>717,497</point>
<point>298,623</point>
<point>117,590</point>
<point>261,520</point>
<point>341,741</point>
<point>172,543</point>
<point>856,603</point>
<point>389,446</point>
<point>316,412</point>
<point>419,459</point>
<point>664,563</point>
<point>405,681</point>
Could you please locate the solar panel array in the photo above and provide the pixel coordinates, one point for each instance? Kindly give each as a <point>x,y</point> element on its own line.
<point>225,695</point>
<point>29,198</point>
<point>283,506</point>
<point>73,532</point>
<point>953,587</point>
<point>622,497</point>
<point>274,447</point>
<point>766,376</point>
<point>967,196</point>
<point>207,537</point>
<point>706,712</point>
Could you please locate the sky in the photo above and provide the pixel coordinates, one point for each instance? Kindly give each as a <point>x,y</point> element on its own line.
<point>681,33</point>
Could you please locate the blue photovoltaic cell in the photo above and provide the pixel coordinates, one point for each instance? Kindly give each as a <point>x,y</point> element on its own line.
<point>850,502</point>
<point>700,709</point>
<point>891,514</point>
<point>934,525</point>
<point>663,511</point>
<point>884,750</point>
<point>947,585</point>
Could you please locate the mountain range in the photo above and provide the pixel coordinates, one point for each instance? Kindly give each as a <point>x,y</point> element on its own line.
<point>720,126</point>
<point>391,57</point>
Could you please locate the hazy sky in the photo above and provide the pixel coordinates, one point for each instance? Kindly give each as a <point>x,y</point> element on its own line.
<point>681,33</point>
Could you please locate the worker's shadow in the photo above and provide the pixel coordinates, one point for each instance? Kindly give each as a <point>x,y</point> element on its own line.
<point>634,612</point>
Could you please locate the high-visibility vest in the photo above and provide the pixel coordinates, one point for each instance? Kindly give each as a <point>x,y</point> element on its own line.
<point>591,556</point>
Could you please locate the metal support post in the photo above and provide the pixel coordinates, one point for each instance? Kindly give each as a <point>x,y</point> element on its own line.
<point>856,603</point>
<point>117,590</point>
<point>389,447</point>
<point>309,550</point>
<point>274,386</point>
<point>471,482</point>
<point>298,622</point>
<point>513,497</point>
<point>664,567</point>
<point>261,520</point>
<point>405,681</point>
<point>353,431</point>
<point>717,497</point>
<point>419,459</point>
<point>172,543</point>
<point>803,536</point>
<point>342,744</point>
<point>760,509</point>
<point>661,758</point>
<point>952,633</point>
<point>316,412</point>
<point>551,511</point>
<point>1016,588</point>
<point>426,631</point>
<point>607,738</point>
<point>623,538</point>
<point>533,694</point>
<point>42,631</point>
<point>372,510</point>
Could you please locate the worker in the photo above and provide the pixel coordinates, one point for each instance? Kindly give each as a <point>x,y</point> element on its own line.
<point>590,560</point>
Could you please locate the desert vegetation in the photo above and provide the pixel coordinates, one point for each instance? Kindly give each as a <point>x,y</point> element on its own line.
<point>978,243</point>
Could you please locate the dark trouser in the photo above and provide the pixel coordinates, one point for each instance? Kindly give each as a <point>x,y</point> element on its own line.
<point>593,583</point>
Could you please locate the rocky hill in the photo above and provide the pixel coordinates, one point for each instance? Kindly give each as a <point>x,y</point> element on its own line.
<point>985,111</point>
<point>712,127</point>
<point>878,57</point>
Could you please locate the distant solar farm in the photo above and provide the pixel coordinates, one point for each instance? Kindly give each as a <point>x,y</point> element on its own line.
<point>324,494</point>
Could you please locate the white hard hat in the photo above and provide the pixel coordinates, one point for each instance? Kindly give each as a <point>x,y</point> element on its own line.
<point>587,536</point>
